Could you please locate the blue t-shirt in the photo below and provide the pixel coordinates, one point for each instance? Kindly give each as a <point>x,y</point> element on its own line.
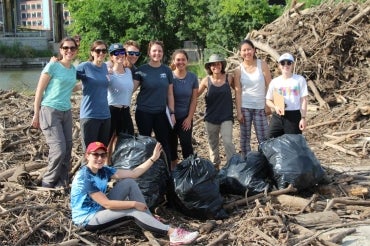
<point>154,82</point>
<point>121,87</point>
<point>95,81</point>
<point>59,89</point>
<point>183,91</point>
<point>84,183</point>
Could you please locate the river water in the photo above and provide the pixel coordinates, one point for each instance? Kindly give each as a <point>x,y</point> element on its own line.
<point>20,80</point>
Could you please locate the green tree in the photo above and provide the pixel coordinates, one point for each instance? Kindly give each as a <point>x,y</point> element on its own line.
<point>231,20</point>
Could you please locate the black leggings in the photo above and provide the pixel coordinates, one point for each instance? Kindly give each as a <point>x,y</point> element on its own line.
<point>285,124</point>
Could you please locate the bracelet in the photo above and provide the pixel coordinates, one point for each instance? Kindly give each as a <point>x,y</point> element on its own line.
<point>151,160</point>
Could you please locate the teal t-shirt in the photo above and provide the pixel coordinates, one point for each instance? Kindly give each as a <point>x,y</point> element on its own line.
<point>154,82</point>
<point>59,89</point>
<point>85,183</point>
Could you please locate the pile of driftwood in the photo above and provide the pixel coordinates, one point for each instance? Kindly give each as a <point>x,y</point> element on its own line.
<point>331,46</point>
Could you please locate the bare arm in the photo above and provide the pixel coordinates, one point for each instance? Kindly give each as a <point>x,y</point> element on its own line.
<point>105,202</point>
<point>203,85</point>
<point>303,121</point>
<point>266,74</point>
<point>238,95</point>
<point>186,125</point>
<point>41,86</point>
<point>139,170</point>
<point>136,84</point>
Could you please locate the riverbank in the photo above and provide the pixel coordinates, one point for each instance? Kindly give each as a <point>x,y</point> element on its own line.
<point>23,62</point>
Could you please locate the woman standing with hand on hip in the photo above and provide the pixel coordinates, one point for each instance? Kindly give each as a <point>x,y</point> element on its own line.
<point>52,113</point>
<point>94,111</point>
<point>252,78</point>
<point>185,89</point>
<point>219,108</point>
<point>156,93</point>
<point>293,87</point>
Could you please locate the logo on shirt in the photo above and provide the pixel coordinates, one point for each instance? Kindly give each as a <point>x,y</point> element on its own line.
<point>163,75</point>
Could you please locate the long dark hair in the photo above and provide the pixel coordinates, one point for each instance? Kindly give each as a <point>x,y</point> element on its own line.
<point>250,43</point>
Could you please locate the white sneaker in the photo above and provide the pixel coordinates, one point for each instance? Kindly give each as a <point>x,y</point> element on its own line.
<point>180,237</point>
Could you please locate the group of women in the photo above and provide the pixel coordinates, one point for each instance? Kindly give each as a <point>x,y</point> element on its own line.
<point>167,97</point>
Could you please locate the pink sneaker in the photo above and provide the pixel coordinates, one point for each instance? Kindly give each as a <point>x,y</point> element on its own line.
<point>181,237</point>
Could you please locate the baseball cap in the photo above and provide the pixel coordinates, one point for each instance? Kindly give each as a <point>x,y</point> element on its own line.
<point>286,57</point>
<point>94,146</point>
<point>114,47</point>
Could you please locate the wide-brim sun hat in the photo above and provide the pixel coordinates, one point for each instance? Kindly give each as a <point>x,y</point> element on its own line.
<point>286,57</point>
<point>215,58</point>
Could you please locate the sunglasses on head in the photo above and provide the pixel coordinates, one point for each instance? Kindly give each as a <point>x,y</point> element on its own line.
<point>118,52</point>
<point>97,155</point>
<point>71,48</point>
<point>98,51</point>
<point>133,53</point>
<point>286,63</point>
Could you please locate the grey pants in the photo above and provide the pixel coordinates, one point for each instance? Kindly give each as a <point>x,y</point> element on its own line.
<point>57,128</point>
<point>126,189</point>
<point>225,129</point>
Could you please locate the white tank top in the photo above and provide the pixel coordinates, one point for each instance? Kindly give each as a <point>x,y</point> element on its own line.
<point>253,87</point>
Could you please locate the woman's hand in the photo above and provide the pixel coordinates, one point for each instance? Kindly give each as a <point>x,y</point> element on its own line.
<point>35,121</point>
<point>156,152</point>
<point>186,124</point>
<point>302,124</point>
<point>140,206</point>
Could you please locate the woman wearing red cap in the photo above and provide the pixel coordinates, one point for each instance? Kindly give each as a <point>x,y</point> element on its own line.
<point>95,210</point>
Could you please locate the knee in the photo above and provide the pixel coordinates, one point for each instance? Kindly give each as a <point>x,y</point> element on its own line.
<point>127,182</point>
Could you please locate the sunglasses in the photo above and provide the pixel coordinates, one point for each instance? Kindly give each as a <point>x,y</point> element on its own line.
<point>97,155</point>
<point>71,48</point>
<point>118,52</point>
<point>133,53</point>
<point>98,51</point>
<point>283,63</point>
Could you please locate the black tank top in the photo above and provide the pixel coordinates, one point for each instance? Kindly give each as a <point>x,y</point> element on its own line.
<point>219,103</point>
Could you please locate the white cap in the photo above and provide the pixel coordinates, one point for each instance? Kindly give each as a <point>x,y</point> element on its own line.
<point>286,57</point>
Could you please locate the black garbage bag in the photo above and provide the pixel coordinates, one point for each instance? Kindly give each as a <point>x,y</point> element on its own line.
<point>130,152</point>
<point>241,174</point>
<point>292,161</point>
<point>197,189</point>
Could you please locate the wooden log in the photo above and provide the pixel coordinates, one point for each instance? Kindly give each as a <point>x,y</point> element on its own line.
<point>317,219</point>
<point>29,167</point>
<point>323,124</point>
<point>340,148</point>
<point>356,190</point>
<point>289,189</point>
<point>346,201</point>
<point>338,236</point>
<point>219,240</point>
<point>317,95</point>
<point>9,197</point>
<point>292,202</point>
<point>151,238</point>
<point>359,16</point>
<point>207,227</point>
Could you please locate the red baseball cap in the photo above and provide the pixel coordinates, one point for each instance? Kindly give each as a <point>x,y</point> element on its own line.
<point>94,146</point>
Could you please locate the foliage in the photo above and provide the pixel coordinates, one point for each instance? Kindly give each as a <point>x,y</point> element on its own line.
<point>198,69</point>
<point>17,50</point>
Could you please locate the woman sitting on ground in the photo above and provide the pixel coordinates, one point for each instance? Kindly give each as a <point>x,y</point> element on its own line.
<point>94,210</point>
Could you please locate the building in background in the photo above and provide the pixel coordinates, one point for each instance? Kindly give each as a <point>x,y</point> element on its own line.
<point>27,18</point>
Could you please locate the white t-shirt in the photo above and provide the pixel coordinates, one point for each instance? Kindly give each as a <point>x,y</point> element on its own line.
<point>293,89</point>
<point>253,87</point>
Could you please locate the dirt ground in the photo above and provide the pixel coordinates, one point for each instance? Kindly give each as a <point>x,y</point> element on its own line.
<point>331,43</point>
